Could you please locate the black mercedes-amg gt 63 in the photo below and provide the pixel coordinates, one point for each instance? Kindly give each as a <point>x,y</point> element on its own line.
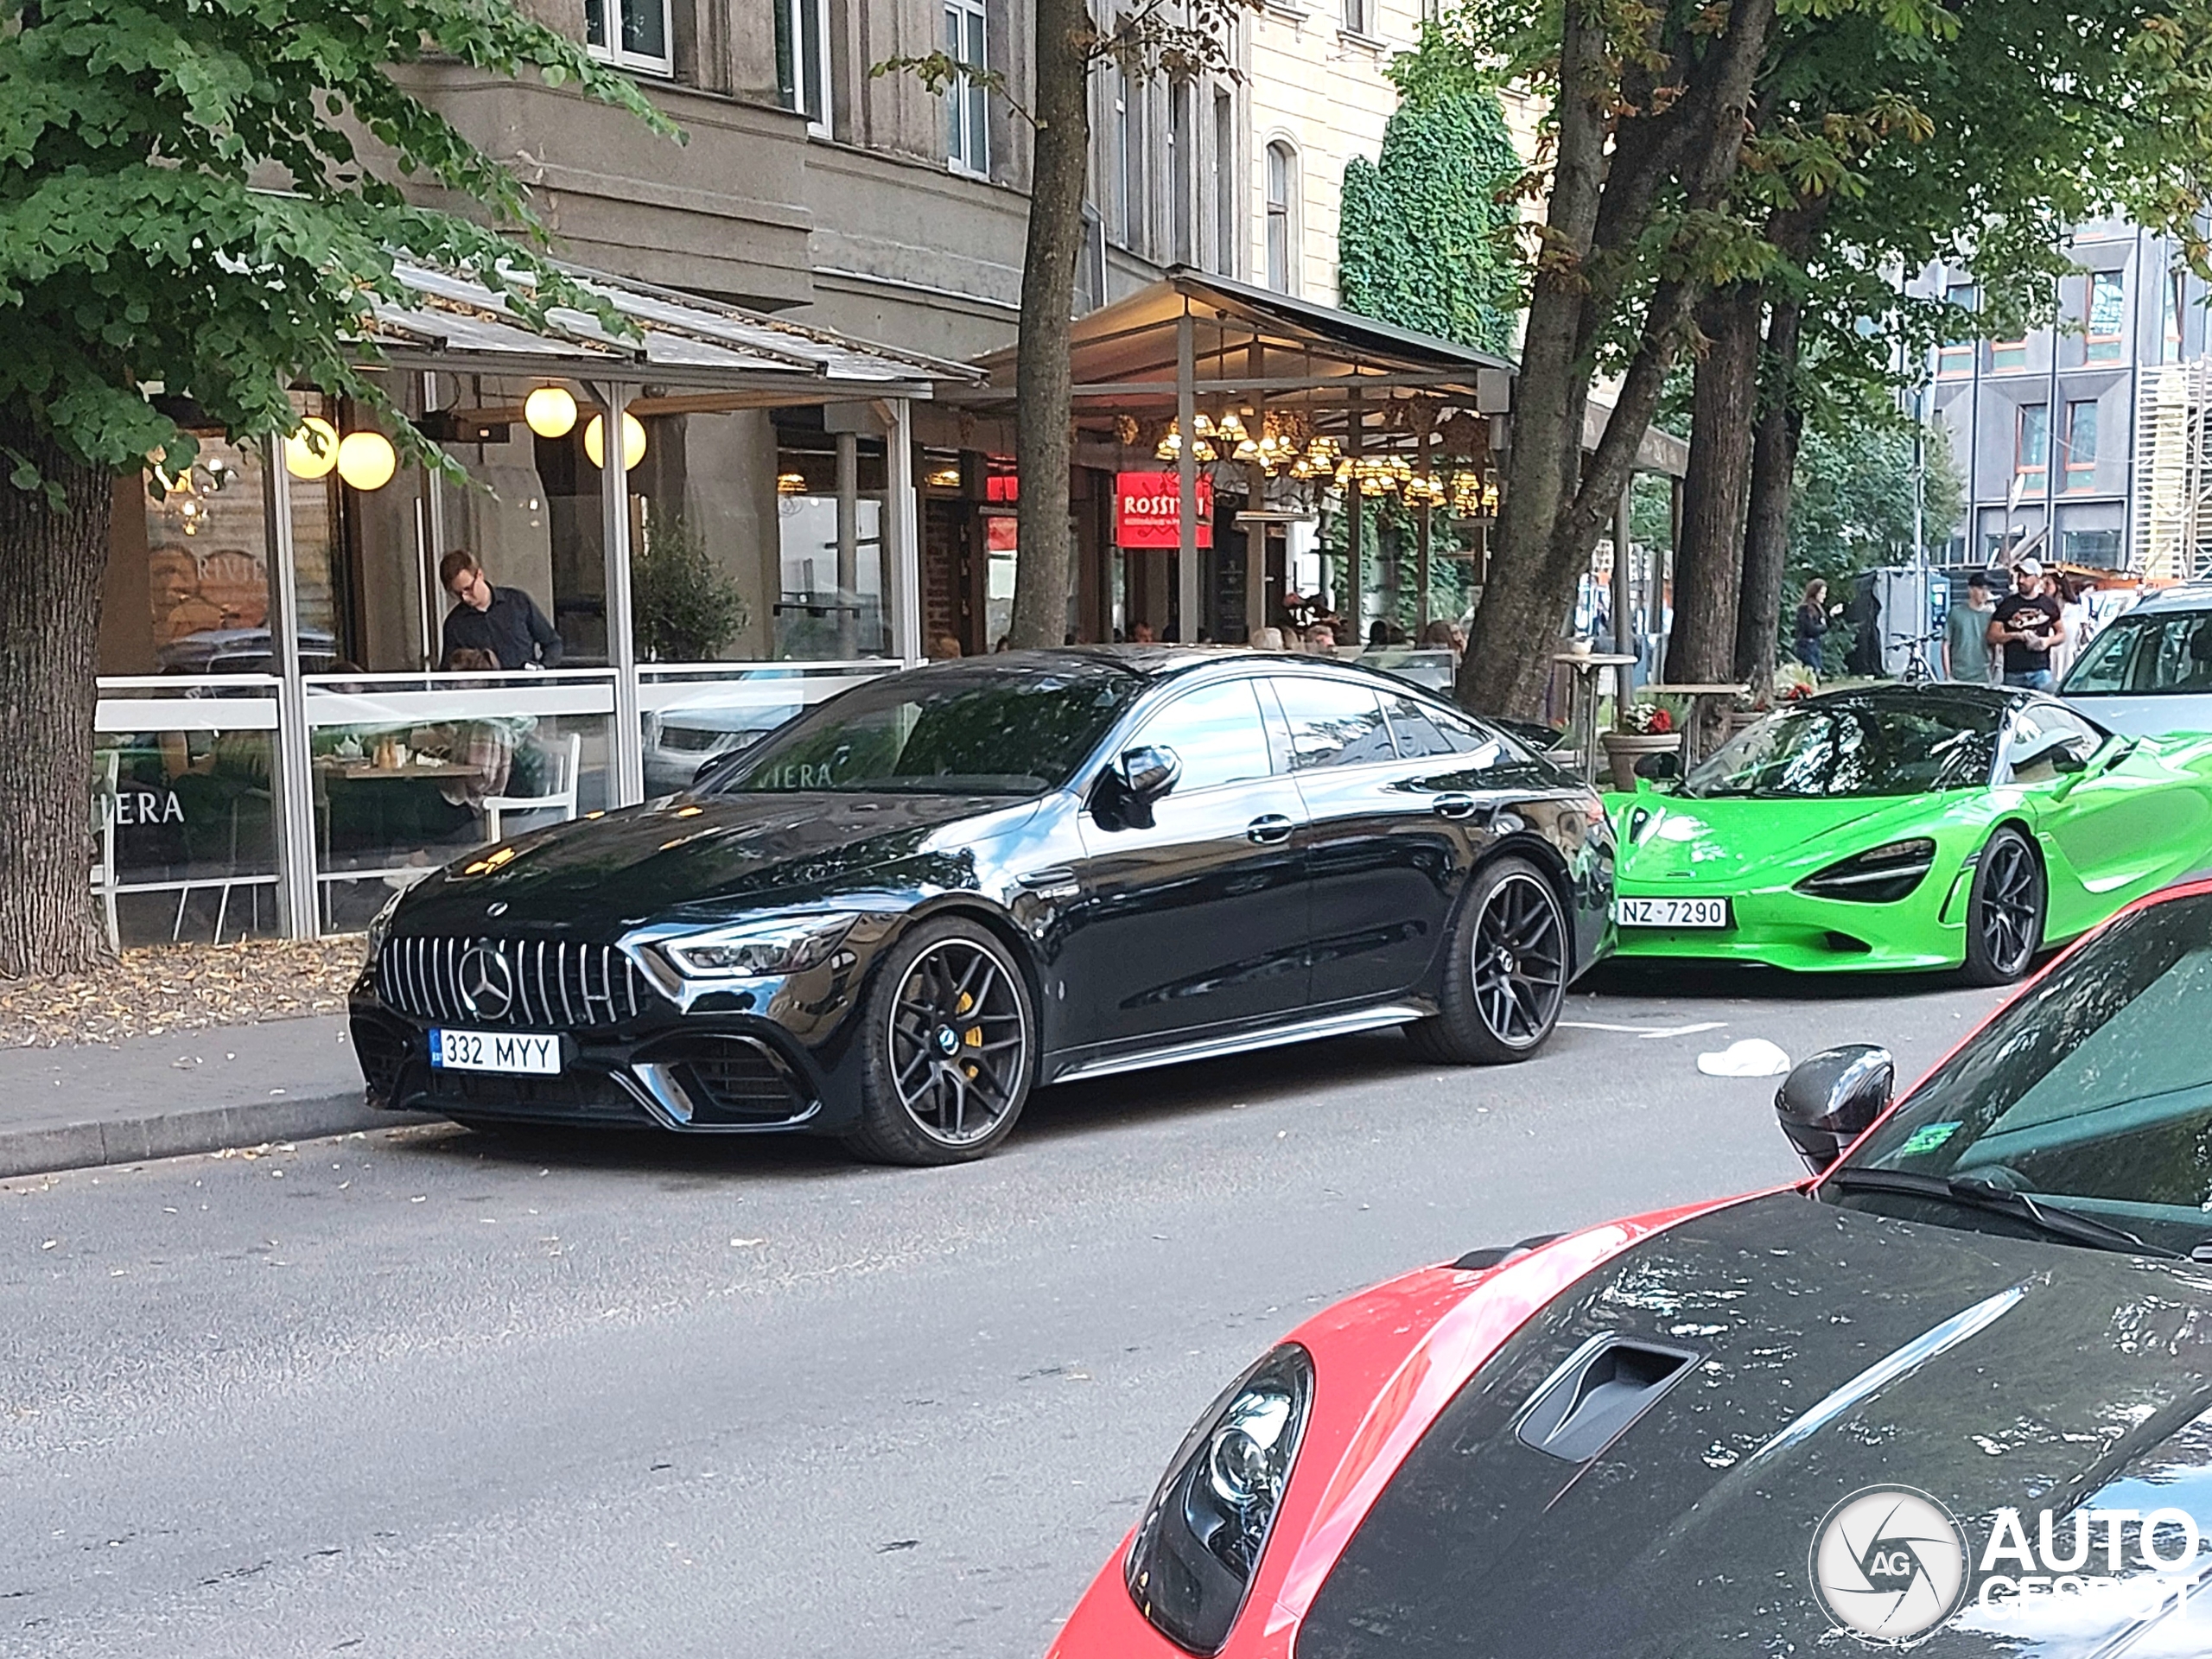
<point>920,900</point>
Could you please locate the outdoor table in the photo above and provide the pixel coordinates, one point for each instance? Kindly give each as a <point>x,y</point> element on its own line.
<point>1699,696</point>
<point>1582,713</point>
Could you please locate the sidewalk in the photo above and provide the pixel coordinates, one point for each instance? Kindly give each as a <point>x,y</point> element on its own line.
<point>187,1091</point>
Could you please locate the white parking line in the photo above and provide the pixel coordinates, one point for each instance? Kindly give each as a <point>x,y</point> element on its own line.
<point>1647,1030</point>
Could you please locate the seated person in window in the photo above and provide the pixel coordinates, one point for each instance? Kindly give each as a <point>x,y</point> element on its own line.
<point>486,747</point>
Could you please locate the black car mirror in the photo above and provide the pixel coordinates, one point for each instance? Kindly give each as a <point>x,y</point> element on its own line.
<point>1146,774</point>
<point>2059,750</point>
<point>1830,1098</point>
<point>1132,783</point>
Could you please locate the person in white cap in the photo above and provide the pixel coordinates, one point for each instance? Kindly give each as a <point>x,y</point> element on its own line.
<point>2027,623</point>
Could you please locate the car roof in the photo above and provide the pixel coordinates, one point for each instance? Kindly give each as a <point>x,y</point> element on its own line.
<point>1891,694</point>
<point>2182,596</point>
<point>1157,661</point>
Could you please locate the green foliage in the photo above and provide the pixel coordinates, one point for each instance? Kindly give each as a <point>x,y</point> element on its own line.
<point>685,606</point>
<point>136,259</point>
<point>1425,237</point>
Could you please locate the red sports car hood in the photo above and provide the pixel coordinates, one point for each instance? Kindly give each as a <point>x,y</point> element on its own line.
<point>1753,1369</point>
<point>1643,1466</point>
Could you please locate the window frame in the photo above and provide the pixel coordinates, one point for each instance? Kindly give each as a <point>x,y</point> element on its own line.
<point>1954,359</point>
<point>2038,472</point>
<point>968,132</point>
<point>2109,347</point>
<point>611,51</point>
<point>1281,211</point>
<point>1141,734</point>
<point>2079,473</point>
<point>790,37</point>
<point>1279,682</point>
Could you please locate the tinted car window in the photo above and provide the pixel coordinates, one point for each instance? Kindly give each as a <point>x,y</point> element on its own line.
<point>1216,733</point>
<point>1423,729</point>
<point>1334,722</point>
<point>989,730</point>
<point>1851,745</point>
<point>2033,726</point>
<point>2078,1093</point>
<point>2139,655</point>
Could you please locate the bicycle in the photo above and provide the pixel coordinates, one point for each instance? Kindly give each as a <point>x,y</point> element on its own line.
<point>1918,670</point>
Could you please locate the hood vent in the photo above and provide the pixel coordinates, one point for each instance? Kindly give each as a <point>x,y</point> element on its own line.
<point>1605,1385</point>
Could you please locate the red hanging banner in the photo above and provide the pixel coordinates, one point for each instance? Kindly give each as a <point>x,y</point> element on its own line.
<point>1148,510</point>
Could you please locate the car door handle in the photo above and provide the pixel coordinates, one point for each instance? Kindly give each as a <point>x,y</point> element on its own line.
<point>1269,829</point>
<point>1453,806</point>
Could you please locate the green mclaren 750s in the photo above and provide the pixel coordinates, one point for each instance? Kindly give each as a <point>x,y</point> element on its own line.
<point>1895,827</point>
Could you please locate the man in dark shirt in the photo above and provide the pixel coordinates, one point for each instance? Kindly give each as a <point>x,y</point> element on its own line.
<point>504,622</point>
<point>2027,623</point>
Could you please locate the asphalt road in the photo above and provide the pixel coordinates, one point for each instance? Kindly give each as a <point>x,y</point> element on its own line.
<point>424,1393</point>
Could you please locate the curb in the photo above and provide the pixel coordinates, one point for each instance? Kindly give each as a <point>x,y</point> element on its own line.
<point>42,1149</point>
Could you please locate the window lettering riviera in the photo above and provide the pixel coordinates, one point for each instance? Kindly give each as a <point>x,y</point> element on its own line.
<point>967,107</point>
<point>630,34</point>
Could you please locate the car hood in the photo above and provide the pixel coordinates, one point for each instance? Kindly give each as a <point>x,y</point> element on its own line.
<point>1668,839</point>
<point>711,856</point>
<point>1827,1350</point>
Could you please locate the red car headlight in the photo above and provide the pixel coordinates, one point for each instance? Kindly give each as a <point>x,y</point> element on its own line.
<point>1195,1551</point>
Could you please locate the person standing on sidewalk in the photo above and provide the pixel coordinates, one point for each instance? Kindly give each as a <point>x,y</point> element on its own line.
<point>2027,623</point>
<point>1965,635</point>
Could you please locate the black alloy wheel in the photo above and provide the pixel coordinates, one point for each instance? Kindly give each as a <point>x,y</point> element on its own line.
<point>1511,955</point>
<point>951,1054</point>
<point>2005,912</point>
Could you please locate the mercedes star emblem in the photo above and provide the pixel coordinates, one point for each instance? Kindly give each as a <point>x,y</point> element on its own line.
<point>487,983</point>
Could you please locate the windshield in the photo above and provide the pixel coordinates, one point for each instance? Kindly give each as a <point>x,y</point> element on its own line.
<point>1857,745</point>
<point>990,729</point>
<point>2092,1093</point>
<point>2143,655</point>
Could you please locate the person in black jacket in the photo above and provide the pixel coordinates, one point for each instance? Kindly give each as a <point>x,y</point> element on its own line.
<point>504,622</point>
<point>1812,623</point>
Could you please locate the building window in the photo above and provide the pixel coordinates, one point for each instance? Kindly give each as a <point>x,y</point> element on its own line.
<point>2031,452</point>
<point>1956,356</point>
<point>1282,177</point>
<point>967,106</point>
<point>2170,300</point>
<point>2005,355</point>
<point>1128,161</point>
<point>634,34</point>
<point>803,60</point>
<point>2082,445</point>
<point>1180,168</point>
<point>1224,179</point>
<point>1356,16</point>
<point>2107,316</point>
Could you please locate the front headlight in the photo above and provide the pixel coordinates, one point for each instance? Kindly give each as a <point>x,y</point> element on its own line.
<point>1200,1539</point>
<point>759,949</point>
<point>380,925</point>
<point>1880,875</point>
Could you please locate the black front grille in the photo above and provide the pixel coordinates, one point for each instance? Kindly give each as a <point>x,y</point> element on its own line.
<point>560,983</point>
<point>575,1095</point>
<point>736,1081</point>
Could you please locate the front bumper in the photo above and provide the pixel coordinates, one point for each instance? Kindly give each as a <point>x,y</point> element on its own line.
<point>1780,927</point>
<point>718,1072</point>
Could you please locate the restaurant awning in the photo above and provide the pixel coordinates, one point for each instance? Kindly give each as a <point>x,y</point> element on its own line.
<point>456,325</point>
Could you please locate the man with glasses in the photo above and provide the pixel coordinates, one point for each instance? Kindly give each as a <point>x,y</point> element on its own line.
<point>504,622</point>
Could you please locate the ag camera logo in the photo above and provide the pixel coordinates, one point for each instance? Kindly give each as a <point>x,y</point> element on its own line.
<point>1889,1563</point>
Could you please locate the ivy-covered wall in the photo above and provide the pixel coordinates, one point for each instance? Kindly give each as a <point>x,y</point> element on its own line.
<point>1424,240</point>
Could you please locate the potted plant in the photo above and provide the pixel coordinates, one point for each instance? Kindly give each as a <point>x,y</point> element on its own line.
<point>687,608</point>
<point>1644,729</point>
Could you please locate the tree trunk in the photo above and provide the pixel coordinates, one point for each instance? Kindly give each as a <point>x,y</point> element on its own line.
<point>52,571</point>
<point>1774,471</point>
<point>1708,560</point>
<point>1556,502</point>
<point>1508,660</point>
<point>1043,378</point>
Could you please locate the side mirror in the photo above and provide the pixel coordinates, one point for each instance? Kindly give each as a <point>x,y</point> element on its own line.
<point>1830,1098</point>
<point>2061,751</point>
<point>1137,778</point>
<point>1147,773</point>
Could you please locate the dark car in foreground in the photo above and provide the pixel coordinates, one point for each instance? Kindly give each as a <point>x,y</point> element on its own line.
<point>1954,1391</point>
<point>920,898</point>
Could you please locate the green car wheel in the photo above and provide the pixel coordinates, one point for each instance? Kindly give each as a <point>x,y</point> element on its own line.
<point>2005,915</point>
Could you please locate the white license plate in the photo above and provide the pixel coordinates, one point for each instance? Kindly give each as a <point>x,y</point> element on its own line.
<point>521,1053</point>
<point>1671,912</point>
